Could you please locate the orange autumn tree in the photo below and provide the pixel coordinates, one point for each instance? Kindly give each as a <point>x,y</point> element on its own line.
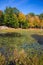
<point>33,21</point>
<point>22,19</point>
<point>36,22</point>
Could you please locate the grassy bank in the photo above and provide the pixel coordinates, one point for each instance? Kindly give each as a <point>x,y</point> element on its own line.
<point>31,40</point>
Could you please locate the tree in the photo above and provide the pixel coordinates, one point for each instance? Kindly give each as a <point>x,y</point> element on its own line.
<point>36,22</point>
<point>11,21</point>
<point>10,18</point>
<point>27,19</point>
<point>31,14</point>
<point>22,19</point>
<point>10,10</point>
<point>1,18</point>
<point>30,20</point>
<point>33,21</point>
<point>15,23</point>
<point>16,11</point>
<point>41,16</point>
<point>25,25</point>
<point>41,20</point>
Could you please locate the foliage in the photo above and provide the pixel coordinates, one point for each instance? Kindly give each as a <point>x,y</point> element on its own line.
<point>31,14</point>
<point>33,21</point>
<point>41,20</point>
<point>10,10</point>
<point>12,17</point>
<point>22,19</point>
<point>41,16</point>
<point>1,18</point>
<point>25,25</point>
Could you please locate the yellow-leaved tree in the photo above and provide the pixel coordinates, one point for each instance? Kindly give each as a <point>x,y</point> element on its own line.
<point>22,19</point>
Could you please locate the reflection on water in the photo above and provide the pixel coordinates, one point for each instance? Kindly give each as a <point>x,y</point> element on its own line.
<point>39,38</point>
<point>10,34</point>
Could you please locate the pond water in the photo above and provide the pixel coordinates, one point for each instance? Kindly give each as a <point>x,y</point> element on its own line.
<point>31,42</point>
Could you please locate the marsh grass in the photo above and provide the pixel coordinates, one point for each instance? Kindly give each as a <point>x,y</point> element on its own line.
<point>21,38</point>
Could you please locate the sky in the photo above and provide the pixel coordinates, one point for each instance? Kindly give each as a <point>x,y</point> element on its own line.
<point>25,6</point>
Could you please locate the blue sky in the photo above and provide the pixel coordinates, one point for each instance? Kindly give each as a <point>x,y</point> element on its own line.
<point>25,6</point>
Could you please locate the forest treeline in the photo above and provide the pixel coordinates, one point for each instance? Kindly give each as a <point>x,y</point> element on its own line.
<point>12,17</point>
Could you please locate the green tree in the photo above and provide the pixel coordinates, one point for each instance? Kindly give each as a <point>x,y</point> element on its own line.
<point>16,11</point>
<point>14,22</point>
<point>25,25</point>
<point>10,18</point>
<point>1,18</point>
<point>41,20</point>
<point>31,14</point>
<point>10,10</point>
